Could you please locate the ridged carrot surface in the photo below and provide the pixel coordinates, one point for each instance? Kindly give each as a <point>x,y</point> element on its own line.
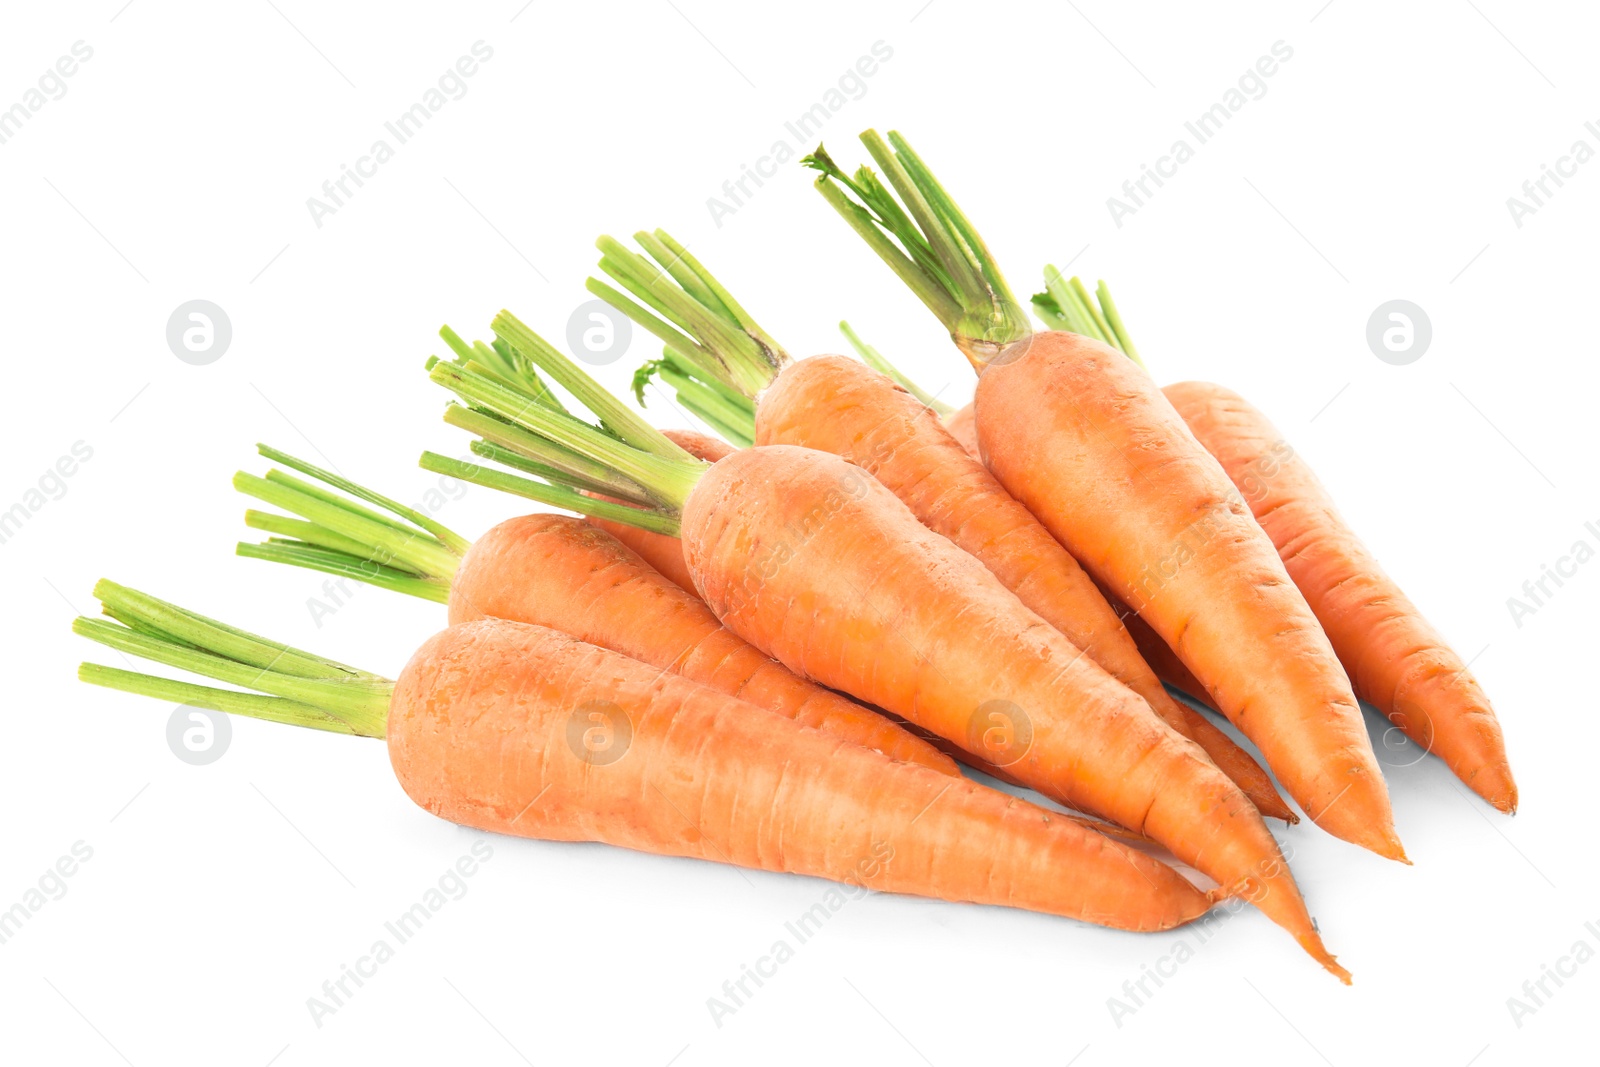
<point>841,406</point>
<point>558,571</point>
<point>1395,658</point>
<point>1088,443</point>
<point>808,557</point>
<point>491,726</point>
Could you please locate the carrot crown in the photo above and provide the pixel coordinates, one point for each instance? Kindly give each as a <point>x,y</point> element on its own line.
<point>563,460</point>
<point>406,553</point>
<point>1065,305</point>
<point>928,242</point>
<point>277,683</point>
<point>704,328</point>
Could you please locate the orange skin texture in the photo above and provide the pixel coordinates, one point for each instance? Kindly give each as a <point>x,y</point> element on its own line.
<point>1396,660</point>
<point>481,733</point>
<point>961,755</point>
<point>1168,667</point>
<point>842,406</point>
<point>963,426</point>
<point>560,572</point>
<point>662,551</point>
<point>809,558</point>
<point>1085,439</point>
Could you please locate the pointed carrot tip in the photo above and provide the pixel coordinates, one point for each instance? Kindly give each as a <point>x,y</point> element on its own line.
<point>1389,847</point>
<point>1507,803</point>
<point>1330,963</point>
<point>1274,808</point>
<point>1495,785</point>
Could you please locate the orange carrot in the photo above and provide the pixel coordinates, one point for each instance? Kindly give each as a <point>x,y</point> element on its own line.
<point>1168,667</point>
<point>665,553</point>
<point>1235,762</point>
<point>839,406</point>
<point>812,560</point>
<point>963,426</point>
<point>518,729</point>
<point>563,573</point>
<point>560,572</point>
<point>1396,660</point>
<point>871,417</point>
<point>1082,437</point>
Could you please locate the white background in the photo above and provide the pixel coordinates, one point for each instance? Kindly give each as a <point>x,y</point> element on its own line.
<point>177,166</point>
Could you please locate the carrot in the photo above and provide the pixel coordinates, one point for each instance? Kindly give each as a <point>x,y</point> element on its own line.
<point>1396,660</point>
<point>1139,671</point>
<point>859,413</point>
<point>555,571</point>
<point>518,729</point>
<point>1168,667</point>
<point>1084,439</point>
<point>810,559</point>
<point>963,426</point>
<point>665,553</point>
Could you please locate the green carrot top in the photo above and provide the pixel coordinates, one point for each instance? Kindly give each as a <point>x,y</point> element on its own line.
<point>915,226</point>
<point>277,682</point>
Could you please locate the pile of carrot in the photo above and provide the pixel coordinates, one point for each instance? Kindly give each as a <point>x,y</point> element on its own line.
<point>774,650</point>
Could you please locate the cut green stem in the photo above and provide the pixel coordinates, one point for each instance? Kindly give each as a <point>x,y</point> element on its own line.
<point>737,416</point>
<point>628,426</point>
<point>289,685</point>
<point>927,240</point>
<point>346,565</point>
<point>567,466</point>
<point>728,412</point>
<point>667,480</point>
<point>659,520</point>
<point>501,361</point>
<point>416,550</point>
<point>1066,305</point>
<point>251,705</point>
<point>627,458</point>
<point>410,552</point>
<point>874,359</point>
<point>1114,317</point>
<point>693,314</point>
<point>450,539</point>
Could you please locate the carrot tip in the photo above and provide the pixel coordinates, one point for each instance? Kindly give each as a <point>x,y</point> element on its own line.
<point>1313,945</point>
<point>1387,844</point>
<point>1397,851</point>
